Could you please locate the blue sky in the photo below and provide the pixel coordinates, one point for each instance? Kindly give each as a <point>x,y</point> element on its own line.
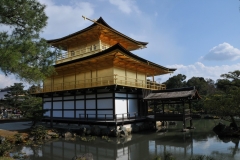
<point>199,38</point>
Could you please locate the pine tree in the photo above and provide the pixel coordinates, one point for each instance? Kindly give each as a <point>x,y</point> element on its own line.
<point>226,101</point>
<point>15,96</point>
<point>22,51</point>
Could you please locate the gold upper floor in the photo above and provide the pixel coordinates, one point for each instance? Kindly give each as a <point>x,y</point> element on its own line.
<point>100,56</point>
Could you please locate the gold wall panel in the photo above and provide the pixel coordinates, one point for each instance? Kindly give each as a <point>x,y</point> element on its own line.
<point>48,81</point>
<point>105,72</point>
<point>58,80</point>
<point>80,76</point>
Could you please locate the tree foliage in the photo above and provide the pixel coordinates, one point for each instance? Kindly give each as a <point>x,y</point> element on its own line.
<point>32,108</point>
<point>21,99</point>
<point>15,95</point>
<point>22,51</point>
<point>226,101</point>
<point>177,81</point>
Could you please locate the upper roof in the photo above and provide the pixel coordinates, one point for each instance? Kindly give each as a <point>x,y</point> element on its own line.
<point>179,94</point>
<point>101,28</point>
<point>117,54</point>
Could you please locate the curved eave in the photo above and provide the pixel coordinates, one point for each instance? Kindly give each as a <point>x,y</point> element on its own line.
<point>118,47</point>
<point>101,22</point>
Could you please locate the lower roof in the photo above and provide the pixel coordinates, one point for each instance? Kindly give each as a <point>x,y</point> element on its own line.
<point>178,94</point>
<point>119,56</point>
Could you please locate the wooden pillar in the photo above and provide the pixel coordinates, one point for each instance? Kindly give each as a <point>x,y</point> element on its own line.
<point>63,82</point>
<point>155,114</point>
<point>52,83</point>
<point>163,113</point>
<point>184,120</point>
<point>51,112</point>
<point>75,78</point>
<point>191,144</point>
<point>154,110</point>
<point>100,45</point>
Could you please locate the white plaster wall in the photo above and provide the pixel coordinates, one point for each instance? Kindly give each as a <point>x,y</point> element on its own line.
<point>68,97</point>
<point>80,104</point>
<point>47,105</point>
<point>90,104</point>
<point>90,96</point>
<point>57,105</point>
<point>68,104</point>
<point>105,104</point>
<point>91,113</point>
<point>57,113</point>
<point>47,99</point>
<point>120,95</point>
<point>132,107</point>
<point>80,97</point>
<point>57,98</point>
<point>80,112</point>
<point>108,113</point>
<point>68,114</point>
<point>103,95</point>
<point>120,107</point>
<point>47,114</point>
<point>132,96</point>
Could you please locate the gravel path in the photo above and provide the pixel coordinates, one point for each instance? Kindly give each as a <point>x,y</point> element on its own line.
<point>13,126</point>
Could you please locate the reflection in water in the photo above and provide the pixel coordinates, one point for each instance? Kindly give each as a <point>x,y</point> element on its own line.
<point>145,146</point>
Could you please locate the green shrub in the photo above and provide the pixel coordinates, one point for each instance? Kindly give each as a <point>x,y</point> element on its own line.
<point>157,158</point>
<point>39,132</point>
<point>5,147</point>
<point>18,138</point>
<point>201,157</point>
<point>168,156</point>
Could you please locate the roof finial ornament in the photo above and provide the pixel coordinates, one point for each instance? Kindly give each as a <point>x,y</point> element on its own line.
<point>84,17</point>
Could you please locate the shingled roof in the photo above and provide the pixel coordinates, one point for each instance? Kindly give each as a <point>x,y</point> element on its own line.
<point>123,50</point>
<point>179,94</point>
<point>100,21</point>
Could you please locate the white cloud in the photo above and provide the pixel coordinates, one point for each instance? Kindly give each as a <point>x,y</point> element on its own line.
<point>126,6</point>
<point>200,70</point>
<point>223,51</point>
<point>5,28</point>
<point>65,19</point>
<point>7,81</point>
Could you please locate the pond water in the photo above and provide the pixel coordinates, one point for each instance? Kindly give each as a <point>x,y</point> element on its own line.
<point>144,146</point>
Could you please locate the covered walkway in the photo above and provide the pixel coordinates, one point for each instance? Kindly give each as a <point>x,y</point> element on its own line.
<point>180,96</point>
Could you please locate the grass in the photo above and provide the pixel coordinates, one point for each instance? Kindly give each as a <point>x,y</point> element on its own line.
<point>6,158</point>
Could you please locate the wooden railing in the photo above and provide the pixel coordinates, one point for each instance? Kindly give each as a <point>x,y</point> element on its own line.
<point>174,116</point>
<point>77,54</point>
<point>98,82</point>
<point>110,117</point>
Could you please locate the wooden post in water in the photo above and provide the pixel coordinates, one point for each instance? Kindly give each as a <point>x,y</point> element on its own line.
<point>191,121</point>
<point>154,104</point>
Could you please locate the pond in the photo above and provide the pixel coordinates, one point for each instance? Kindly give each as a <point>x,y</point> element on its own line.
<point>144,146</point>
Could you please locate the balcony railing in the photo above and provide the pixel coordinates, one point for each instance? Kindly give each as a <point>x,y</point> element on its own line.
<point>77,54</point>
<point>100,81</point>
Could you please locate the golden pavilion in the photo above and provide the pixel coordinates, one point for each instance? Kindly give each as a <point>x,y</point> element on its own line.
<point>99,78</point>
